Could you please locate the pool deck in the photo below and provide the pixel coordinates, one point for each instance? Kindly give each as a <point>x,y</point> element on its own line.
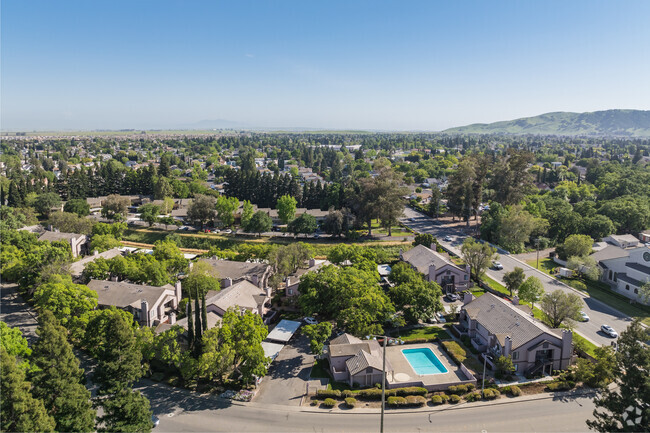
<point>404,375</point>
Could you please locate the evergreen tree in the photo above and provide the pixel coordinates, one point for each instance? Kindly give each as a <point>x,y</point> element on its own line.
<point>58,380</point>
<point>118,362</point>
<point>126,411</point>
<point>14,199</point>
<point>626,406</point>
<point>198,329</point>
<point>19,410</point>
<point>204,314</point>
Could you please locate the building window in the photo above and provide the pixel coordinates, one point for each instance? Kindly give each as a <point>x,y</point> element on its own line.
<point>515,355</point>
<point>516,367</point>
<point>615,276</point>
<point>465,277</point>
<point>636,291</point>
<point>610,275</point>
<point>290,291</point>
<point>627,287</point>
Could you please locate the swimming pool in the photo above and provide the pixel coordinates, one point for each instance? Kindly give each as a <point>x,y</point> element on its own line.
<point>424,361</point>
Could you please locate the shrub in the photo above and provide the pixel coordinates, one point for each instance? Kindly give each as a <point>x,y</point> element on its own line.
<point>411,390</point>
<point>452,389</point>
<point>436,399</point>
<point>490,394</point>
<point>474,396</point>
<point>454,398</point>
<point>351,402</point>
<point>416,400</point>
<point>370,394</point>
<point>578,285</point>
<point>348,393</point>
<point>396,401</point>
<point>455,351</point>
<point>561,386</point>
<point>514,391</point>
<point>328,393</point>
<point>462,389</point>
<point>329,402</point>
<point>315,402</point>
<point>444,397</point>
<point>470,387</point>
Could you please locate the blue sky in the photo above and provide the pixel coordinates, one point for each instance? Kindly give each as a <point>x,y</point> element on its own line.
<point>388,65</point>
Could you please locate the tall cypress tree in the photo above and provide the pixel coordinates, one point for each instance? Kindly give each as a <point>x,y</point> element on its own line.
<point>58,378</point>
<point>204,314</point>
<point>19,410</point>
<point>198,329</point>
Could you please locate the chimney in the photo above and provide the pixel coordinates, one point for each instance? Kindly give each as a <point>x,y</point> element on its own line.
<point>432,272</point>
<point>255,280</point>
<point>433,247</point>
<point>467,298</point>
<point>172,318</point>
<point>95,253</point>
<point>144,313</point>
<point>178,292</point>
<point>515,300</point>
<point>312,262</point>
<point>288,281</point>
<point>227,282</point>
<point>507,349</point>
<point>268,292</point>
<point>468,270</point>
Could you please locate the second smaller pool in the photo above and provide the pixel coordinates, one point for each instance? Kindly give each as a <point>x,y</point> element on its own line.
<point>424,361</point>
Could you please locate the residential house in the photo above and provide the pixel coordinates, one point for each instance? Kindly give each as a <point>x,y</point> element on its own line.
<point>625,270</point>
<point>149,305</point>
<point>77,268</point>
<point>232,272</point>
<point>437,268</point>
<point>78,242</point>
<point>353,360</point>
<point>242,295</point>
<point>498,327</point>
<point>293,280</point>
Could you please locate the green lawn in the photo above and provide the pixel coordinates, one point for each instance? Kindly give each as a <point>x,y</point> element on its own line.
<point>495,285</point>
<point>427,333</point>
<point>545,265</point>
<point>320,369</point>
<point>588,345</point>
<point>396,230</point>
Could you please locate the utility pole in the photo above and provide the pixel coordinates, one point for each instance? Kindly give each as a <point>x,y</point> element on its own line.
<point>537,248</point>
<point>483,382</point>
<point>383,387</point>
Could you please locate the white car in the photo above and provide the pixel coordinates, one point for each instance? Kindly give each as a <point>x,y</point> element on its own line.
<point>584,317</point>
<point>447,239</point>
<point>497,265</point>
<point>609,331</point>
<point>228,231</point>
<point>310,321</point>
<point>441,318</point>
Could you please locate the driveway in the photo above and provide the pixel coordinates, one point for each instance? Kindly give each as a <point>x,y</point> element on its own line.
<point>599,312</point>
<point>288,376</point>
<point>15,312</point>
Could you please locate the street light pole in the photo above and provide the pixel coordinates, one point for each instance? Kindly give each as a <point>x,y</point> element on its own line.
<point>483,382</point>
<point>383,387</point>
<point>537,248</point>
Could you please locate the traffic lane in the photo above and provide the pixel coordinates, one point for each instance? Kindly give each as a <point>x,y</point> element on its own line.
<point>551,414</point>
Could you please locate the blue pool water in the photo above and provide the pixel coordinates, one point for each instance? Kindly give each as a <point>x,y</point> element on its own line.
<point>424,361</point>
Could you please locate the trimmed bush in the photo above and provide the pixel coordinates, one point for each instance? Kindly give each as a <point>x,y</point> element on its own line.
<point>452,389</point>
<point>415,400</point>
<point>454,399</point>
<point>328,393</point>
<point>329,402</point>
<point>411,390</point>
<point>436,399</point>
<point>474,396</point>
<point>462,389</point>
<point>444,397</point>
<point>515,391</point>
<point>470,387</point>
<point>348,393</point>
<point>488,394</point>
<point>455,351</point>
<point>315,403</point>
<point>351,402</point>
<point>396,401</point>
<point>373,394</point>
<point>561,386</point>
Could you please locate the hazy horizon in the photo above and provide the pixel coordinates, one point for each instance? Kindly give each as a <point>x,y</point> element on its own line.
<point>421,66</point>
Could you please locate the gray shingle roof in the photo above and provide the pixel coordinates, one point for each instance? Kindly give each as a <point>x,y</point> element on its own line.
<point>237,270</point>
<point>610,252</point>
<point>243,294</point>
<point>78,267</point>
<point>638,267</point>
<point>363,360</point>
<point>502,319</point>
<point>58,236</point>
<point>422,257</point>
<point>345,339</point>
<point>624,277</point>
<point>121,294</point>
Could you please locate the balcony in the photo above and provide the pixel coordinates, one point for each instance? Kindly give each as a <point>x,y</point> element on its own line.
<point>478,344</point>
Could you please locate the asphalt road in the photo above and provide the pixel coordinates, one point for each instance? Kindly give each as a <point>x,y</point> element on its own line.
<point>182,411</point>
<point>598,312</point>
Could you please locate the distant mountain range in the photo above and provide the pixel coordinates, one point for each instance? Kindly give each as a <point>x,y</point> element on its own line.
<point>624,123</point>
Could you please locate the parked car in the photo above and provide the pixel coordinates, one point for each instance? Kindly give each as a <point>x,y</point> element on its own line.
<point>316,236</point>
<point>497,265</point>
<point>447,239</point>
<point>228,231</point>
<point>207,231</point>
<point>155,420</point>
<point>184,228</point>
<point>310,321</point>
<point>584,317</point>
<point>412,219</point>
<point>609,331</point>
<point>441,318</point>
<point>452,297</point>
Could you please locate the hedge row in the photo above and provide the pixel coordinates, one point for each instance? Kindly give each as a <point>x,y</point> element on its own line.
<point>460,389</point>
<point>371,393</point>
<point>455,351</point>
<point>411,400</point>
